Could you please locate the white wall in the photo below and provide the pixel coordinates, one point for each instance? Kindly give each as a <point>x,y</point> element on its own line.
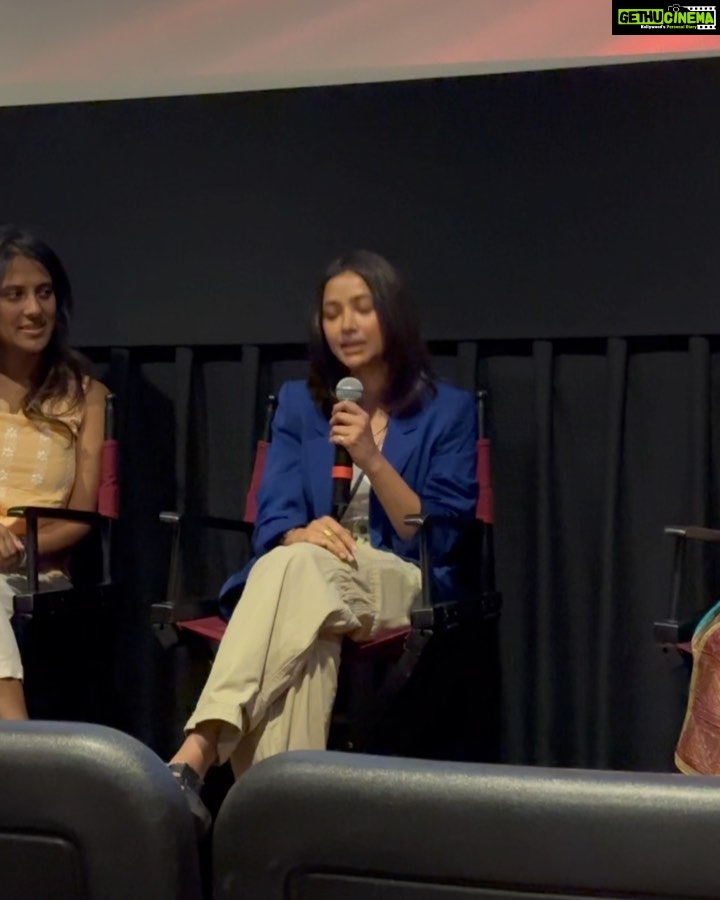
<point>65,50</point>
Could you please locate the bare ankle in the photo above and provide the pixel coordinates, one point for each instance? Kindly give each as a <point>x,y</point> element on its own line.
<point>199,749</point>
<point>12,700</point>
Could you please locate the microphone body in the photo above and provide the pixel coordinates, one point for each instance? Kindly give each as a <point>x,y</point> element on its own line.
<point>342,470</point>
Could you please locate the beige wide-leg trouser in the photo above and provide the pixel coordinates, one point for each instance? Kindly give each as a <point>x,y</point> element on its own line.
<point>274,679</point>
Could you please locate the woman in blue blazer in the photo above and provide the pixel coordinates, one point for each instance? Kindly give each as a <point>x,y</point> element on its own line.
<point>315,580</point>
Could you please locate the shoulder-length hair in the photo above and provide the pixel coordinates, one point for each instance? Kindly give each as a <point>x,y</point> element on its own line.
<point>410,377</point>
<point>58,380</point>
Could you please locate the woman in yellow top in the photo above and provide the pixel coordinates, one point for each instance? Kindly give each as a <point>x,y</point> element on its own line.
<point>51,430</point>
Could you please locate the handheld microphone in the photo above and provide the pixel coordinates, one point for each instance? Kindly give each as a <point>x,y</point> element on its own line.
<point>342,470</point>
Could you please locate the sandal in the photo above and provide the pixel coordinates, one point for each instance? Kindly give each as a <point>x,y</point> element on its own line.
<point>190,783</point>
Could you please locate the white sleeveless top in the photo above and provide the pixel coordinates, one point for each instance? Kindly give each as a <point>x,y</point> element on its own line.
<point>359,506</point>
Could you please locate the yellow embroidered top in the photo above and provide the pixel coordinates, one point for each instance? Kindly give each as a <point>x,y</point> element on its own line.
<point>37,460</point>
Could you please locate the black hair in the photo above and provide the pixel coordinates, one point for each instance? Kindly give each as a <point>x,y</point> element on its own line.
<point>59,377</point>
<point>411,380</point>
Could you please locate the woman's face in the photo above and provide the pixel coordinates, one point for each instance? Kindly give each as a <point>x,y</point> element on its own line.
<point>27,306</point>
<point>350,323</point>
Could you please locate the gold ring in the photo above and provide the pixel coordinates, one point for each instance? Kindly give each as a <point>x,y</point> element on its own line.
<point>327,532</point>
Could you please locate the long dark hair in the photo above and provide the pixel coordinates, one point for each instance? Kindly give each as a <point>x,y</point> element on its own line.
<point>59,377</point>
<point>411,380</point>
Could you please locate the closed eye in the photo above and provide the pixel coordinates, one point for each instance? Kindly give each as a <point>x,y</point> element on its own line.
<point>11,292</point>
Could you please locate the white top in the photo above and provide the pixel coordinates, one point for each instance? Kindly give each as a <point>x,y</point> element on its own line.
<point>359,506</point>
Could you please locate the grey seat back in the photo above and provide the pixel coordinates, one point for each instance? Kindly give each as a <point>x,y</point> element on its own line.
<point>88,813</point>
<point>324,826</point>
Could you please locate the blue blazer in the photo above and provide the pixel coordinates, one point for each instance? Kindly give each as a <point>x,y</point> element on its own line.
<point>434,451</point>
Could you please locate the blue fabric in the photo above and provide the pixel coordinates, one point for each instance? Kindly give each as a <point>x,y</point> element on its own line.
<point>433,450</point>
<point>706,620</point>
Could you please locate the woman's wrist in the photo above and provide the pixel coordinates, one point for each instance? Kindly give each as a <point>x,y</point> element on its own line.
<point>373,465</point>
<point>289,535</point>
<point>21,564</point>
<point>17,566</point>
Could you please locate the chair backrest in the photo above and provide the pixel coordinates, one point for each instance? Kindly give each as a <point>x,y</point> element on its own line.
<point>92,559</point>
<point>88,813</point>
<point>259,463</point>
<point>108,503</point>
<point>485,510</point>
<point>485,506</point>
<point>326,826</point>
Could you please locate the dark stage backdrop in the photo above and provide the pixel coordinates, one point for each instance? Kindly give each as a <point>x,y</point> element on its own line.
<point>562,226</point>
<point>548,204</point>
<point>597,444</point>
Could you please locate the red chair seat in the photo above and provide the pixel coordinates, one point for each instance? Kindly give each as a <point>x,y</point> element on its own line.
<point>389,642</point>
<point>212,627</point>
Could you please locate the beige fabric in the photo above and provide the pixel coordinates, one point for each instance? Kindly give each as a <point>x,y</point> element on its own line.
<point>37,460</point>
<point>37,468</point>
<point>10,585</point>
<point>275,675</point>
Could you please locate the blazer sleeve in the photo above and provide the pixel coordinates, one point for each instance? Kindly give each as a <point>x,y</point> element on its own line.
<point>281,498</point>
<point>450,488</point>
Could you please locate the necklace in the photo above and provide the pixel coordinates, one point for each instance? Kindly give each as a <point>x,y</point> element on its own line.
<point>379,431</point>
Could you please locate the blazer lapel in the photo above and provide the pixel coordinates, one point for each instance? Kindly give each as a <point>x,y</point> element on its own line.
<point>400,441</point>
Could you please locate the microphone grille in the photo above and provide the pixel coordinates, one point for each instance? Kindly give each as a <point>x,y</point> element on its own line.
<point>349,389</point>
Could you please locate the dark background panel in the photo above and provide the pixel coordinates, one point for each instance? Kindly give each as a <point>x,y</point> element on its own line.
<point>553,224</point>
<point>576,202</point>
<point>596,445</point>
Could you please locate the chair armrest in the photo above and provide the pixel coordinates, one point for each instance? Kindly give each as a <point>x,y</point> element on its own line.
<point>66,515</point>
<point>670,632</point>
<point>459,523</point>
<point>426,525</point>
<point>177,519</point>
<point>174,608</point>
<point>168,613</point>
<point>32,513</point>
<point>693,532</point>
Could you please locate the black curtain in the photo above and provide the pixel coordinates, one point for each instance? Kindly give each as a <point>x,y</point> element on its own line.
<point>569,202</point>
<point>596,445</point>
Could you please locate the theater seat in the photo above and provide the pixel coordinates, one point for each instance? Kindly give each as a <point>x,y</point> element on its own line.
<point>88,813</point>
<point>331,826</point>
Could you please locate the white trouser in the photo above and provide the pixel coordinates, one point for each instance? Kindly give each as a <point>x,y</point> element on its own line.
<point>10,585</point>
